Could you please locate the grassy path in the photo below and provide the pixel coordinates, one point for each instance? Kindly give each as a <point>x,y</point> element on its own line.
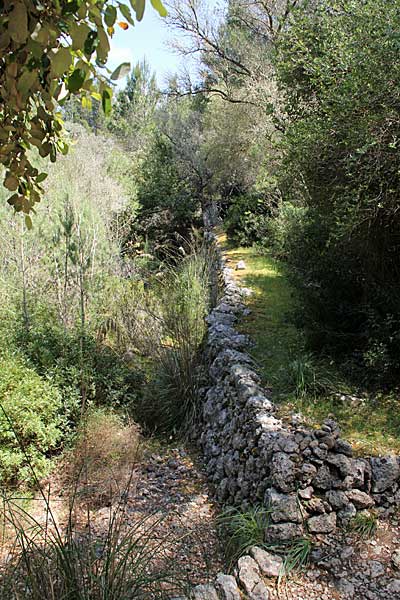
<point>299,382</point>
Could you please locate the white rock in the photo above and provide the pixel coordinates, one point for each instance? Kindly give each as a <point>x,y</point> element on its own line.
<point>240,265</point>
<point>270,564</point>
<point>227,587</point>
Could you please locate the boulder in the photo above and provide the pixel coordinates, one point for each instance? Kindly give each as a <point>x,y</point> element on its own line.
<point>205,592</point>
<point>227,587</point>
<point>250,580</point>
<point>385,472</point>
<point>269,564</point>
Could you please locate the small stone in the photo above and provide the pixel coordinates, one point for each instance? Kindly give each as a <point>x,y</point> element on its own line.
<point>227,587</point>
<point>360,499</point>
<point>249,578</point>
<point>322,523</point>
<point>241,265</point>
<point>336,499</point>
<point>396,559</point>
<point>376,568</point>
<point>270,564</point>
<point>205,592</point>
<point>307,493</point>
<point>343,447</point>
<point>346,588</point>
<point>394,586</point>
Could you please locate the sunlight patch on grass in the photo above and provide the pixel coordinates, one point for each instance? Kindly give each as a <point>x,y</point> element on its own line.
<point>372,425</point>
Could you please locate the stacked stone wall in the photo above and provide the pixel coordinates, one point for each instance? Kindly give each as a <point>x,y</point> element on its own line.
<point>308,478</point>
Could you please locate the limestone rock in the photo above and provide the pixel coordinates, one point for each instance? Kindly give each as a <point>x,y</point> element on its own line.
<point>205,592</point>
<point>241,265</point>
<point>227,587</point>
<point>284,507</point>
<point>336,499</point>
<point>249,578</point>
<point>359,499</point>
<point>283,472</point>
<point>270,564</point>
<point>322,523</point>
<point>385,472</point>
<point>281,532</point>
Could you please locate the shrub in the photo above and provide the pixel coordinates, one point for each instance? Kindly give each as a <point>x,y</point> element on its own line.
<point>30,421</point>
<point>246,220</point>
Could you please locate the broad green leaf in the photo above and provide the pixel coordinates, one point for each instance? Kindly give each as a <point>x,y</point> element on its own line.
<point>121,71</point>
<point>76,80</point>
<point>60,61</point>
<point>160,8</point>
<point>126,13</point>
<point>18,23</point>
<point>78,35</point>
<point>139,9</point>
<point>103,48</point>
<point>28,222</point>
<point>110,16</point>
<point>26,82</point>
<point>106,102</point>
<point>41,177</point>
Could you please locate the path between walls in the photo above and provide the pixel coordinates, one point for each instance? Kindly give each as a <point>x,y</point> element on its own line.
<point>309,479</point>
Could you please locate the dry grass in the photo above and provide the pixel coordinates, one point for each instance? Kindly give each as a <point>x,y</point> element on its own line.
<point>100,466</point>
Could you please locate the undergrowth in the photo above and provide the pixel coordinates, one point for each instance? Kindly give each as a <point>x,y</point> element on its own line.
<point>299,380</point>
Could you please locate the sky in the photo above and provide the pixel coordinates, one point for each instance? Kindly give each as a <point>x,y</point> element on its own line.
<point>149,39</point>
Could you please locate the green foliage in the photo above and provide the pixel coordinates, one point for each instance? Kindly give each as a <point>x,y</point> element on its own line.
<point>74,364</point>
<point>49,53</point>
<point>364,524</point>
<point>175,332</point>
<point>341,90</point>
<point>31,421</point>
<point>246,220</point>
<point>243,529</point>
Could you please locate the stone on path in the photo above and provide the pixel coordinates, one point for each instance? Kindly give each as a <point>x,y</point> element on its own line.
<point>241,265</point>
<point>205,592</point>
<point>227,587</point>
<point>270,564</point>
<point>249,578</point>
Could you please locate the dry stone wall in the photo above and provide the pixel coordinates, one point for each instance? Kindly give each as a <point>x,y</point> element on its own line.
<point>308,478</point>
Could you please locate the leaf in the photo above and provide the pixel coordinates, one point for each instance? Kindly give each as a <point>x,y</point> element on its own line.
<point>79,35</point>
<point>11,183</point>
<point>121,71</point>
<point>28,222</point>
<point>103,48</point>
<point>41,177</point>
<point>160,8</point>
<point>110,15</point>
<point>123,25</point>
<point>26,82</point>
<point>76,80</point>
<point>126,13</point>
<point>18,23</point>
<point>60,61</point>
<point>139,9</point>
<point>106,102</point>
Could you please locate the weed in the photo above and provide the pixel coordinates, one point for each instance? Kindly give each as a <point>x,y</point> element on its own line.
<point>296,557</point>
<point>364,524</point>
<point>243,529</point>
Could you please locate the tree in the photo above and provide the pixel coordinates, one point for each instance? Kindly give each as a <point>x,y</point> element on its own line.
<point>51,50</point>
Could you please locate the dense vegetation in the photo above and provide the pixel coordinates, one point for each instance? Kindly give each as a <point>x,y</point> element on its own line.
<point>289,132</point>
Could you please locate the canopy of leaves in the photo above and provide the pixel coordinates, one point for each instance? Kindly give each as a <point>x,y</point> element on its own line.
<point>49,51</point>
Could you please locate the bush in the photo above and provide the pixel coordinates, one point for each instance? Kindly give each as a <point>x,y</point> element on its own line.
<point>58,353</point>
<point>30,421</point>
<point>175,331</point>
<point>246,220</point>
<point>340,157</point>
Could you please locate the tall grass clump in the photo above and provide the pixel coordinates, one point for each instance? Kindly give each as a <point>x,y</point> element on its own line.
<point>243,529</point>
<point>175,329</point>
<point>47,562</point>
